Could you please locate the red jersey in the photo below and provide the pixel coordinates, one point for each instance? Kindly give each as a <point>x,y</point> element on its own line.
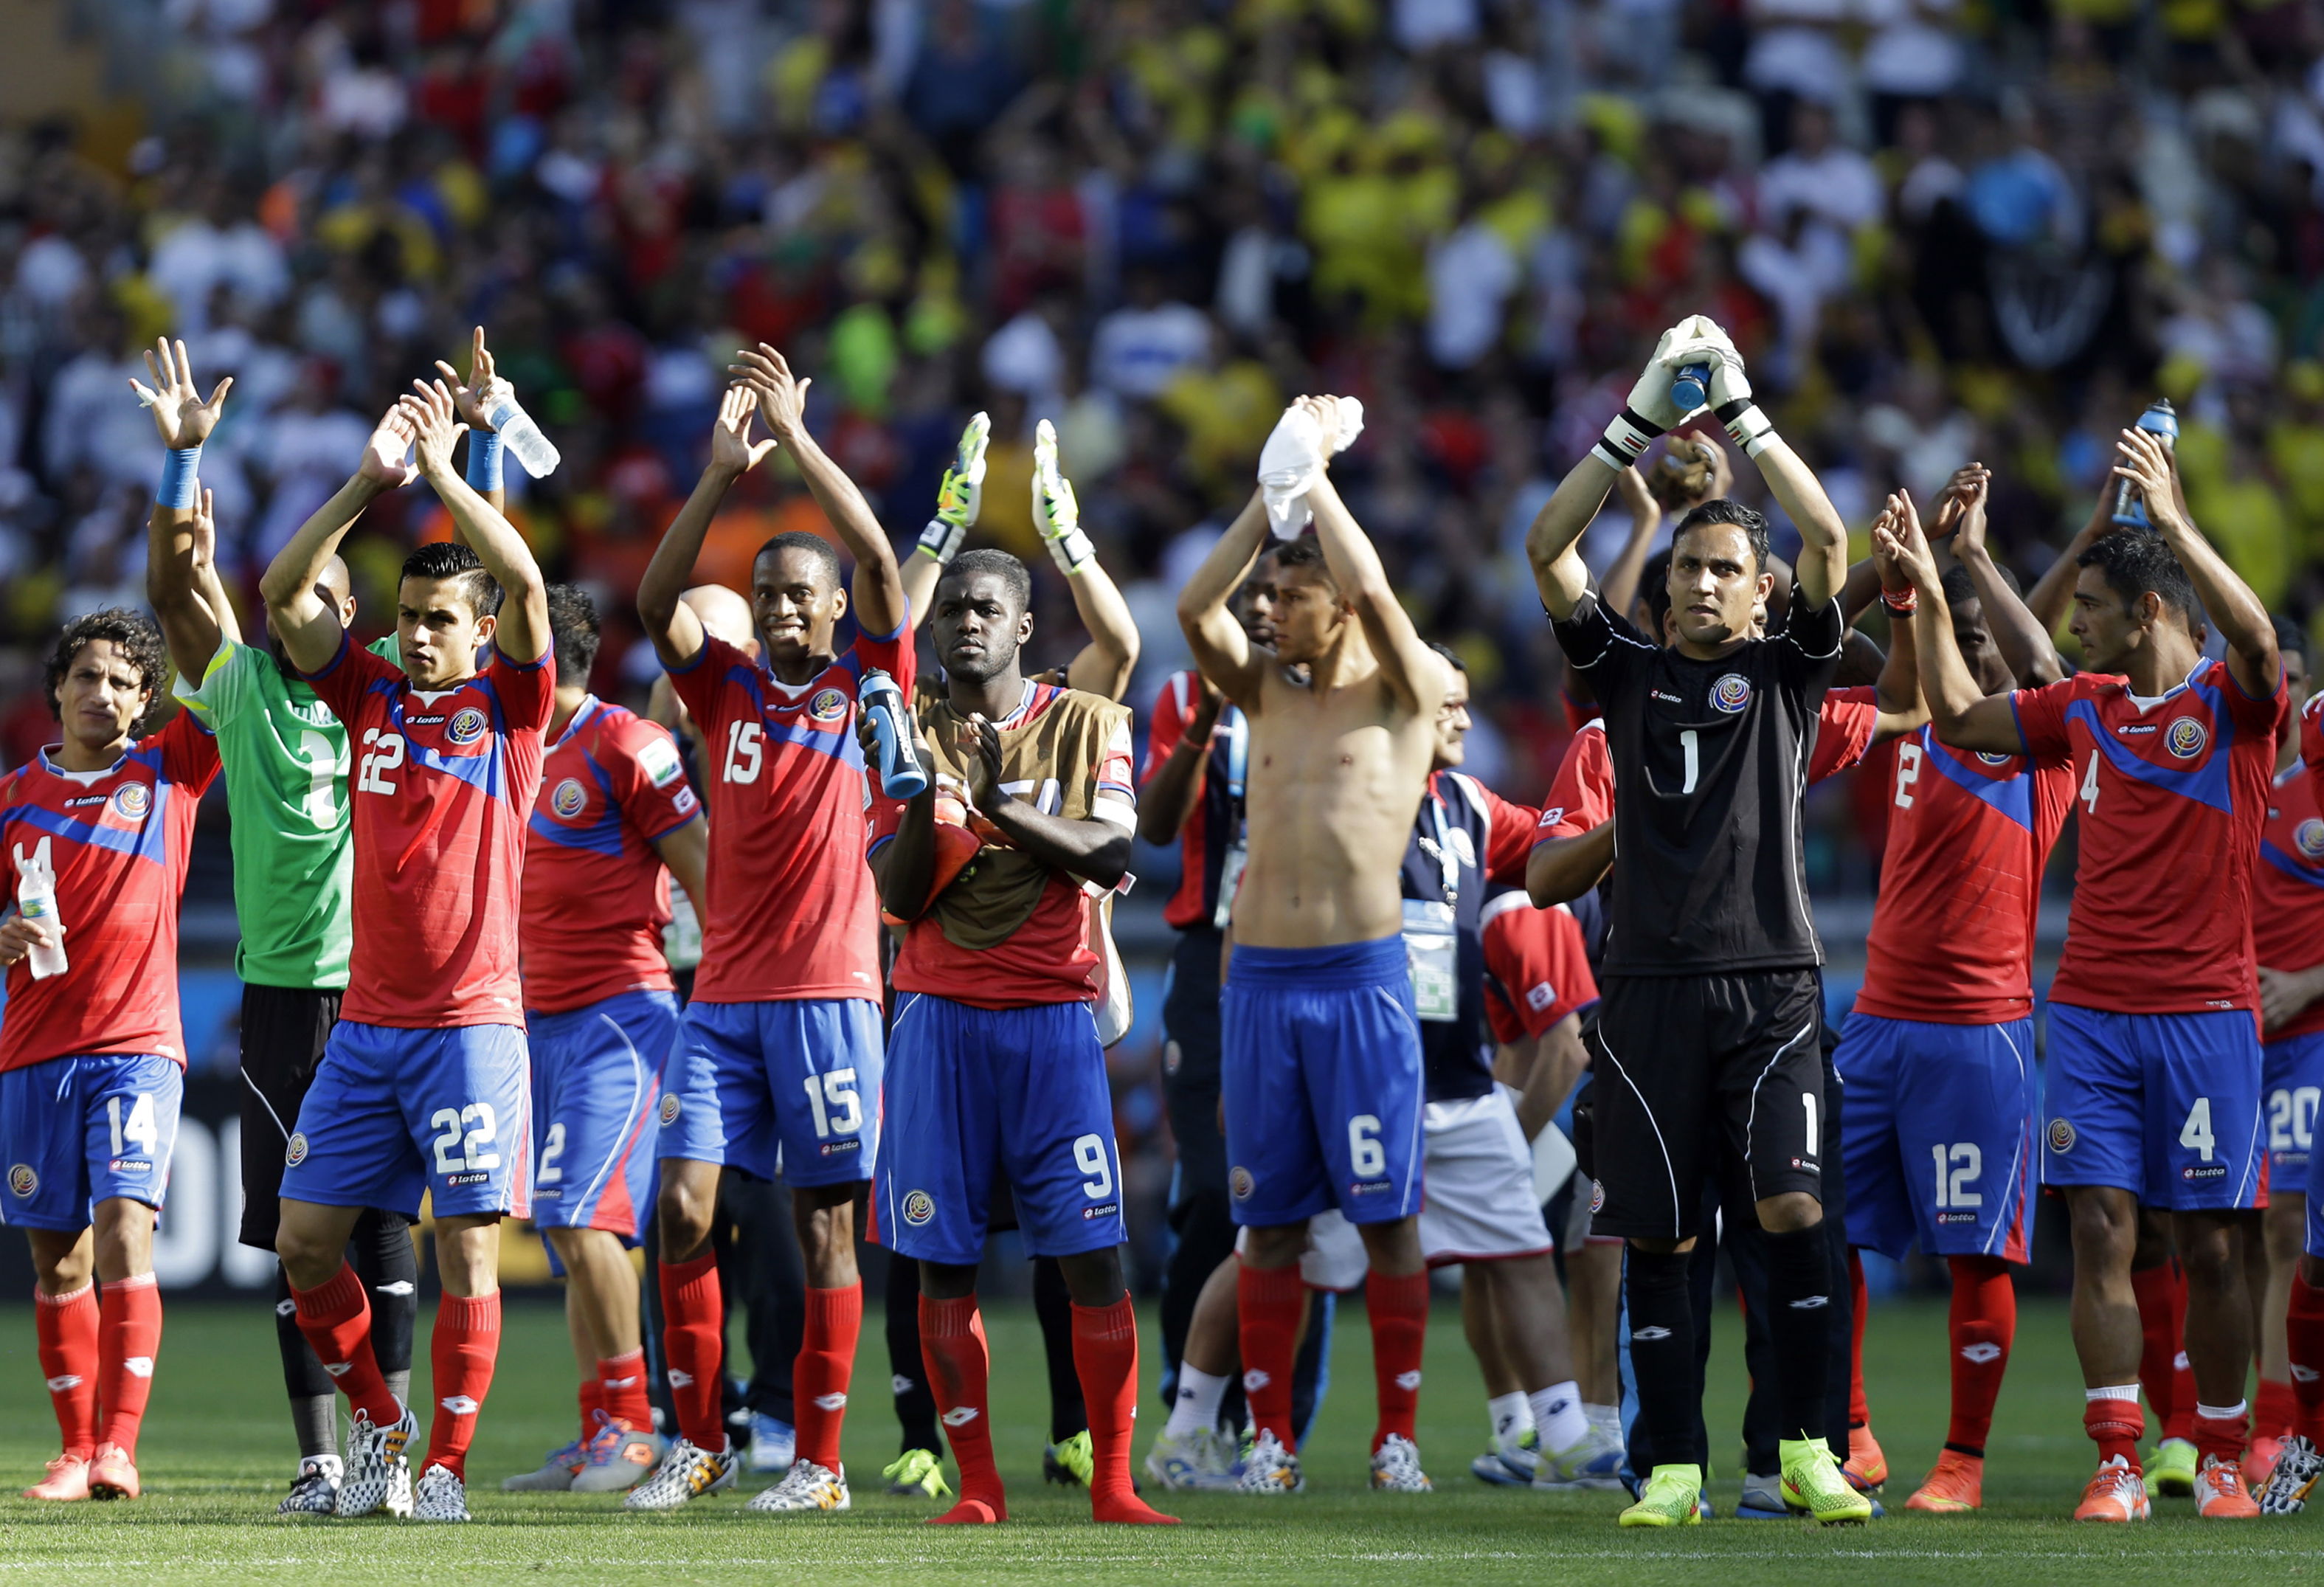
<point>1536,967</point>
<point>1214,825</point>
<point>597,895</point>
<point>115,844</point>
<point>443,781</point>
<point>2173,792</point>
<point>2288,890</point>
<point>792,913</point>
<point>1961,884</point>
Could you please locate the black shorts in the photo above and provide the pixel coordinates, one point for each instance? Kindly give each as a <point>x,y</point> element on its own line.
<point>1712,1075</point>
<point>283,1029</point>
<point>1190,1072</point>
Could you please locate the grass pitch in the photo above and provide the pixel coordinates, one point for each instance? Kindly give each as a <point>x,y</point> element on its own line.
<point>217,1454</point>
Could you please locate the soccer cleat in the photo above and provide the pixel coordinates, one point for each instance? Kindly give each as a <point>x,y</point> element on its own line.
<point>1673,1497</point>
<point>917,1473</point>
<point>2172,1474</point>
<point>1071,1462</point>
<point>1593,1465</point>
<point>377,1476</point>
<point>2117,1493</point>
<point>774,1443</point>
<point>440,1496</point>
<point>314,1492</point>
<point>1813,1483</point>
<point>2297,1468</point>
<point>2259,1461</point>
<point>1510,1462</point>
<point>805,1487</point>
<point>1955,1485</point>
<point>2221,1494</point>
<point>556,1474</point>
<point>1269,1468</point>
<point>617,1456</point>
<point>67,1480</point>
<point>687,1472</point>
<point>1763,1499</point>
<point>1866,1468</point>
<point>1201,1459</point>
<point>1396,1467</point>
<point>112,1474</point>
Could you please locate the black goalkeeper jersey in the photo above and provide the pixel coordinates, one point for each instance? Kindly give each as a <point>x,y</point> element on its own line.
<point>1710,761</point>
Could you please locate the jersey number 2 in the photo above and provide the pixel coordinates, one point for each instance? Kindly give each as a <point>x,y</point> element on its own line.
<point>1908,773</point>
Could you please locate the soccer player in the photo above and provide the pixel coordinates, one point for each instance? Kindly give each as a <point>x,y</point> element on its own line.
<point>1706,1045</point>
<point>997,1061</point>
<point>286,760</point>
<point>782,1051</point>
<point>1938,1134</point>
<point>1321,1055</point>
<point>422,1087</point>
<point>2154,1067</point>
<point>614,821</point>
<point>92,1063</point>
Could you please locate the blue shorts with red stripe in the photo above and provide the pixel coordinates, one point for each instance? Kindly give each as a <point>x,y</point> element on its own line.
<point>396,1113</point>
<point>2166,1106</point>
<point>788,1089</point>
<point>78,1130</point>
<point>2292,1082</point>
<point>596,1076</point>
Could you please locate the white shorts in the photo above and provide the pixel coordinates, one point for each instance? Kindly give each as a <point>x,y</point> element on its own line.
<point>1478,1202</point>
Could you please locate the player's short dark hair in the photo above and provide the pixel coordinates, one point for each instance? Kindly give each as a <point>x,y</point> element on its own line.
<point>1724,510</point>
<point>1304,551</point>
<point>1959,585</point>
<point>573,631</point>
<point>826,560</point>
<point>2134,564</point>
<point>2290,639</point>
<point>131,632</point>
<point>1450,654</point>
<point>1013,575</point>
<point>1654,588</point>
<point>454,561</point>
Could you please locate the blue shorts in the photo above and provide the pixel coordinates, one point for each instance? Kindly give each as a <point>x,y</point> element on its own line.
<point>2292,1080</point>
<point>1320,1070</point>
<point>1022,1090</point>
<point>393,1113</point>
<point>596,1074</point>
<point>77,1131</point>
<point>1937,1137</point>
<point>2165,1106</point>
<point>786,1088</point>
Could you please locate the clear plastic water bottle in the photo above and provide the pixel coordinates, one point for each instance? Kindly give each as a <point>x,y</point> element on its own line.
<point>1691,387</point>
<point>901,775</point>
<point>36,900</point>
<point>2160,420</point>
<point>524,438</point>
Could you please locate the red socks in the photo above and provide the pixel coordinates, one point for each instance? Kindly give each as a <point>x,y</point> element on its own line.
<point>336,1318</point>
<point>1983,1324</point>
<point>952,1349</point>
<point>2222,1437</point>
<point>621,1388</point>
<point>1269,1305</point>
<point>1399,1308</point>
<point>2159,1321</point>
<point>67,1329</point>
<point>1859,1409</point>
<point>466,1345</point>
<point>819,1379</point>
<point>2303,1327</point>
<point>128,1337</point>
<point>2271,1414</point>
<point>1105,1358</point>
<point>2115,1426</point>
<point>694,1347</point>
<point>593,1400</point>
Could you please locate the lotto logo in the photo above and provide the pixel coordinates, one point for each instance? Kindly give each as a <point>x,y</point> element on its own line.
<point>23,1180</point>
<point>919,1206</point>
<point>295,1153</point>
<point>569,799</point>
<point>1254,1380</point>
<point>138,1366</point>
<point>1540,995</point>
<point>1552,816</point>
<point>58,1385</point>
<point>133,801</point>
<point>1730,694</point>
<point>1649,1334</point>
<point>460,1405</point>
<point>669,1109</point>
<point>960,1416</point>
<point>2204,1171</point>
<point>830,1402</point>
<point>828,705</point>
<point>467,726</point>
<point>1408,1381</point>
<point>1239,1184</point>
<point>1981,1352</point>
<point>2061,1136</point>
<point>2186,738</point>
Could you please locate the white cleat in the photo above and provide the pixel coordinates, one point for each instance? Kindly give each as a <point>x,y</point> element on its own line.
<point>1593,1465</point>
<point>1269,1468</point>
<point>1204,1460</point>
<point>1396,1467</point>
<point>378,1472</point>
<point>686,1472</point>
<point>440,1497</point>
<point>316,1489</point>
<point>805,1487</point>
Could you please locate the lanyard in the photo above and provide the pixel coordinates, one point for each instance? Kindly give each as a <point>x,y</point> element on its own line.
<point>1440,849</point>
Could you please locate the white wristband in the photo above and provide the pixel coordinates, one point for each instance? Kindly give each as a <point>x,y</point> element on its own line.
<point>1746,427</point>
<point>942,540</point>
<point>1072,550</point>
<point>1625,440</point>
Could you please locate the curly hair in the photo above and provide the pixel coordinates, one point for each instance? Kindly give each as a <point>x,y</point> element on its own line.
<point>132,633</point>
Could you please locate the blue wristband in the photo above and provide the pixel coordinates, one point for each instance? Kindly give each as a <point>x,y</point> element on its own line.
<point>484,460</point>
<point>181,473</point>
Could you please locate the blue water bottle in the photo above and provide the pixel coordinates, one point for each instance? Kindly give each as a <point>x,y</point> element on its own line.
<point>2160,420</point>
<point>901,775</point>
<point>1691,386</point>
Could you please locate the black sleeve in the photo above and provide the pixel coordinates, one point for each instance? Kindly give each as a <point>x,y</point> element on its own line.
<point>1601,644</point>
<point>1809,645</point>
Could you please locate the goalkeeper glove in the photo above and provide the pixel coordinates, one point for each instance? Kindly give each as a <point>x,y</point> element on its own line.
<point>961,495</point>
<point>1054,510</point>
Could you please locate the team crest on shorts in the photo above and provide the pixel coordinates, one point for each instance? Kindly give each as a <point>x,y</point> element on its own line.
<point>467,726</point>
<point>131,801</point>
<point>2307,837</point>
<point>828,705</point>
<point>2185,737</point>
<point>1597,1197</point>
<point>1730,694</point>
<point>1990,759</point>
<point>919,1206</point>
<point>2061,1135</point>
<point>295,1152</point>
<point>569,799</point>
<point>1171,1058</point>
<point>1239,1184</point>
<point>23,1180</point>
<point>670,1104</point>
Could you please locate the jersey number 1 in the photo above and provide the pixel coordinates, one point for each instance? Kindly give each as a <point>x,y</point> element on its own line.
<point>1688,742</point>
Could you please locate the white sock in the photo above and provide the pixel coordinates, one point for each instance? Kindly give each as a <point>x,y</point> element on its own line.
<point>2128,1391</point>
<point>1558,1415</point>
<point>1511,1417</point>
<point>1196,1408</point>
<point>2214,1413</point>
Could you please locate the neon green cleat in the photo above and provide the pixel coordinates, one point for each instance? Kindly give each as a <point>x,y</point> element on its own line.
<point>1815,1483</point>
<point>2172,1472</point>
<point>1673,1497</point>
<point>919,1474</point>
<point>1070,1463</point>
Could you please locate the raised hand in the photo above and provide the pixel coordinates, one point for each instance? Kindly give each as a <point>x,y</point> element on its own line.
<point>204,549</point>
<point>435,426</point>
<point>782,395</point>
<point>1897,536</point>
<point>1960,508</point>
<point>180,414</point>
<point>2150,465</point>
<point>730,446</point>
<point>483,391</point>
<point>383,459</point>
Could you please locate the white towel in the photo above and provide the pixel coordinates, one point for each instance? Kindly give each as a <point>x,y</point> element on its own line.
<point>1293,459</point>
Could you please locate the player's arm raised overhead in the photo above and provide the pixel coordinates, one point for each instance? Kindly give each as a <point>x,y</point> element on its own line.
<point>192,620</point>
<point>1619,587</point>
<point>1964,716</point>
<point>521,633</point>
<point>1822,570</point>
<point>877,589</point>
<point>1222,651</point>
<point>676,631</point>
<point>2243,621</point>
<point>303,619</point>
<point>1898,690</point>
<point>2017,631</point>
<point>1105,664</point>
<point>1412,672</point>
<point>960,498</point>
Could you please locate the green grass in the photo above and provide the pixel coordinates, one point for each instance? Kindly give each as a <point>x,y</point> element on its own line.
<point>217,1452</point>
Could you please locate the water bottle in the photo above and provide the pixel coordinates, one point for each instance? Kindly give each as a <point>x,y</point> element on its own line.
<point>36,900</point>
<point>522,437</point>
<point>1691,386</point>
<point>901,775</point>
<point>2160,420</point>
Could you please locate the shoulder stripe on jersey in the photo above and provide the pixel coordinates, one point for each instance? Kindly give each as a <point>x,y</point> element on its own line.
<point>481,772</point>
<point>2011,796</point>
<point>1501,903</point>
<point>148,842</point>
<point>2289,866</point>
<point>2206,783</point>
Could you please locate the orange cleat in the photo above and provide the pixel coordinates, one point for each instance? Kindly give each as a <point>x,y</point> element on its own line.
<point>2117,1493</point>
<point>2259,1462</point>
<point>67,1480</point>
<point>111,1475</point>
<point>2221,1494</point>
<point>1866,1468</point>
<point>968,1512</point>
<point>1954,1486</point>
